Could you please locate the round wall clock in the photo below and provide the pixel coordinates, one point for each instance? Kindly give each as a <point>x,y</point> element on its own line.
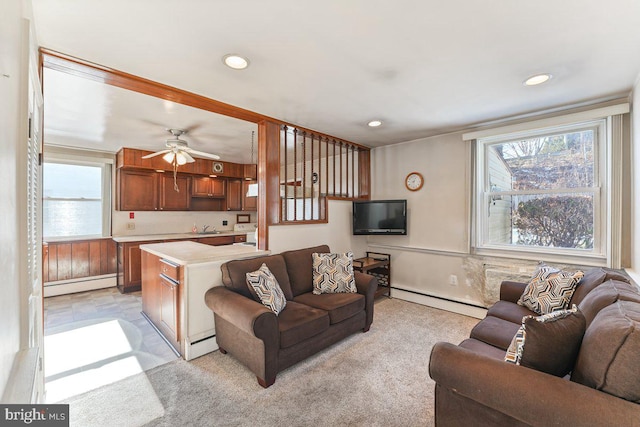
<point>414,181</point>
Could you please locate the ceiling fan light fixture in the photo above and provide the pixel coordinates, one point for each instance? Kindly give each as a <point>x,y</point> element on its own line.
<point>537,79</point>
<point>169,157</point>
<point>181,159</point>
<point>235,61</point>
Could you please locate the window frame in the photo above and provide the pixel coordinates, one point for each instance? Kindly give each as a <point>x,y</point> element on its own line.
<point>600,190</point>
<point>106,167</point>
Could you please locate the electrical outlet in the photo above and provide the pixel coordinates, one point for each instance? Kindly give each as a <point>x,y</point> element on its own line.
<point>453,280</point>
<point>131,226</point>
<point>468,282</point>
<point>225,222</point>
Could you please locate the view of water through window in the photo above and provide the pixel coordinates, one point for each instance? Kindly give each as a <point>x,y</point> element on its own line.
<point>72,200</point>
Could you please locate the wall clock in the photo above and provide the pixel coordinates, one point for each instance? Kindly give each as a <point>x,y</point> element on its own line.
<point>414,181</point>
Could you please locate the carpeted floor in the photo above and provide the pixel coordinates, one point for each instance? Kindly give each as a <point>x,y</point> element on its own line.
<point>378,378</point>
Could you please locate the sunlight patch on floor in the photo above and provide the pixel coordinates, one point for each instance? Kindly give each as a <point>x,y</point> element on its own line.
<point>103,356</point>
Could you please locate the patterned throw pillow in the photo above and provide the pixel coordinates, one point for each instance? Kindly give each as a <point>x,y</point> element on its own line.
<point>333,273</point>
<point>264,284</point>
<point>548,343</point>
<point>550,289</point>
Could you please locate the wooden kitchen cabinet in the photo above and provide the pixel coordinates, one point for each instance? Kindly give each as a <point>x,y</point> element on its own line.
<point>137,190</point>
<point>170,199</point>
<point>208,187</point>
<point>234,195</point>
<point>161,296</point>
<point>217,241</point>
<point>248,203</point>
<point>140,190</point>
<point>129,275</point>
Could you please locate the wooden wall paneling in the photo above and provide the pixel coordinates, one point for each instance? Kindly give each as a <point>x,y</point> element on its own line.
<point>52,265</point>
<point>95,258</point>
<point>112,253</point>
<point>45,263</point>
<point>104,255</point>
<point>64,261</point>
<point>80,260</point>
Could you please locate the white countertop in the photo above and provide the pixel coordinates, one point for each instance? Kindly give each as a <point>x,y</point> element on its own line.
<point>175,236</point>
<point>187,252</point>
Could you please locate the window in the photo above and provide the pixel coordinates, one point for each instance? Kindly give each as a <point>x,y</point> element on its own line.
<point>543,191</point>
<point>76,199</point>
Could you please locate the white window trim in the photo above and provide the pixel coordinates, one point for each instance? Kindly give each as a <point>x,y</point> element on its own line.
<point>83,158</point>
<point>604,237</point>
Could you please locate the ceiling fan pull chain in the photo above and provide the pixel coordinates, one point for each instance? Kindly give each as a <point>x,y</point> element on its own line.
<point>175,173</point>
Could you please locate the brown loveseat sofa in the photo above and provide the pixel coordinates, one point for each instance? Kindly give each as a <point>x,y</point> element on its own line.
<point>475,386</point>
<point>268,344</point>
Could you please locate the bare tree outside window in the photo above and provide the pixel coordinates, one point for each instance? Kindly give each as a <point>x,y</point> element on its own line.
<point>541,191</point>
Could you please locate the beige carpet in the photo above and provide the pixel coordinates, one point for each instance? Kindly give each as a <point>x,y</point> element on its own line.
<point>378,378</point>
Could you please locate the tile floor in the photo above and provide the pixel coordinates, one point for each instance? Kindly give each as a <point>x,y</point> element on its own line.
<point>95,338</point>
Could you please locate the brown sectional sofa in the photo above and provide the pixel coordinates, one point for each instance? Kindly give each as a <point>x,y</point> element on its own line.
<point>268,344</point>
<point>475,386</point>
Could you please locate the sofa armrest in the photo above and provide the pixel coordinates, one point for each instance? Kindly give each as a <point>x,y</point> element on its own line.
<point>527,395</point>
<point>511,291</point>
<point>367,286</point>
<point>244,313</point>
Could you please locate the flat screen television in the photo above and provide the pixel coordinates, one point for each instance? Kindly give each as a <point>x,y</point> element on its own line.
<point>385,217</point>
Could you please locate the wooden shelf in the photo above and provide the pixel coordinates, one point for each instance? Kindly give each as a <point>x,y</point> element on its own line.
<point>379,266</point>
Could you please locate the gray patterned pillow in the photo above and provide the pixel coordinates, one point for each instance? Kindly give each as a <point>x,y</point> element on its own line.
<point>333,273</point>
<point>264,285</point>
<point>548,343</point>
<point>550,289</point>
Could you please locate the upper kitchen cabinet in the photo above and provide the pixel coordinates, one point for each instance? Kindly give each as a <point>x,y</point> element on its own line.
<point>208,187</point>
<point>140,190</point>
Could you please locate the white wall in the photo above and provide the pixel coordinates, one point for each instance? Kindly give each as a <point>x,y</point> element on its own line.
<point>13,177</point>
<point>437,243</point>
<point>171,222</point>
<point>336,233</point>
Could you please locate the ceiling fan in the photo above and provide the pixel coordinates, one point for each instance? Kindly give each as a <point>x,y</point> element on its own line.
<point>178,150</point>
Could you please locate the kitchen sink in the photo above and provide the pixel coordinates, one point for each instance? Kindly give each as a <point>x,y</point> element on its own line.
<point>209,232</point>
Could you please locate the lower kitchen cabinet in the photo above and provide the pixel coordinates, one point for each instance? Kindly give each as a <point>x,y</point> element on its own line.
<point>129,276</point>
<point>161,296</point>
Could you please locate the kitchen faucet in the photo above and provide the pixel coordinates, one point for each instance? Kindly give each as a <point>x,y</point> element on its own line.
<point>204,228</point>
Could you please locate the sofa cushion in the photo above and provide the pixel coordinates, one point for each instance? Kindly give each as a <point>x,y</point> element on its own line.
<point>593,278</point>
<point>550,289</point>
<point>548,343</point>
<point>608,358</point>
<point>483,348</point>
<point>263,284</point>
<point>333,273</point>
<point>298,322</point>
<point>234,274</point>
<point>605,295</point>
<point>300,268</point>
<point>494,331</point>
<point>340,306</point>
<point>509,311</point>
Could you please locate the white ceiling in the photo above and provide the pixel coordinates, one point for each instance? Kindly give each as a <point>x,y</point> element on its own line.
<point>422,67</point>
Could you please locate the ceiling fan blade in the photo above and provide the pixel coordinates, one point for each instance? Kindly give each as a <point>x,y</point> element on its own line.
<point>205,155</point>
<point>157,153</point>
<point>187,156</point>
<point>193,127</point>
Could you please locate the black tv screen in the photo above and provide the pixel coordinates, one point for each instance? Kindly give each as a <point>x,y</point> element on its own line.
<point>387,217</point>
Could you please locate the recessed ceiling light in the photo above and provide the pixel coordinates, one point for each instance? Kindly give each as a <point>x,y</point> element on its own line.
<point>236,62</point>
<point>537,79</point>
<point>375,123</point>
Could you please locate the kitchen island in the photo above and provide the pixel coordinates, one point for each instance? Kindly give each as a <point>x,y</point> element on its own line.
<point>175,277</point>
